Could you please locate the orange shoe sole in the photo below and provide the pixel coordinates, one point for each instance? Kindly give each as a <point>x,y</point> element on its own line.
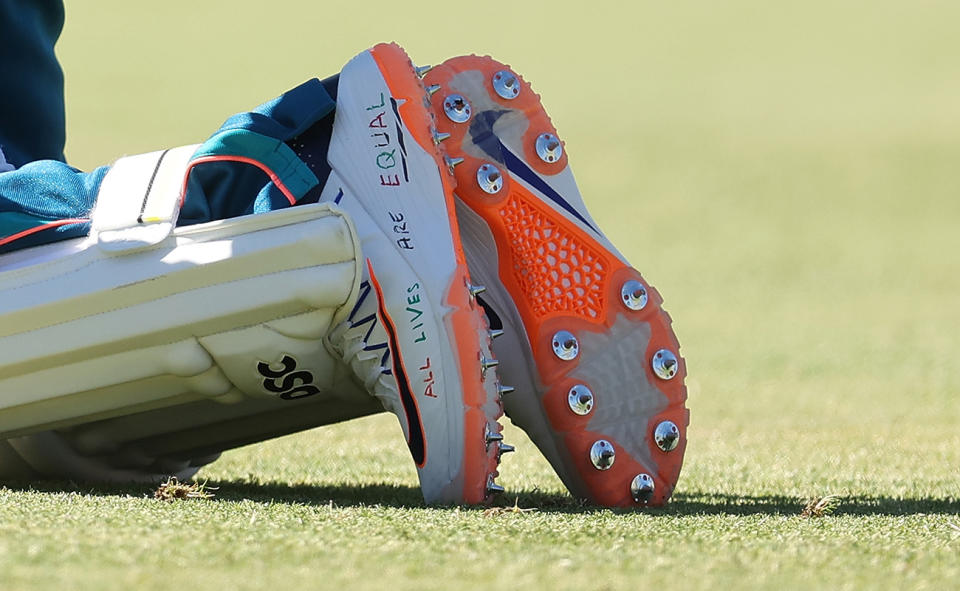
<point>565,280</point>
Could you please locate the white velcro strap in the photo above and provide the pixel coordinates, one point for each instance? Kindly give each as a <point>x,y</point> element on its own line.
<point>139,199</point>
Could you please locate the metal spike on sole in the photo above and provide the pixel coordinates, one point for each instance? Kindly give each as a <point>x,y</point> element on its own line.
<point>487,363</point>
<point>505,448</point>
<point>495,333</point>
<point>422,70</point>
<point>452,162</point>
<point>491,437</point>
<point>433,88</point>
<point>501,390</point>
<point>494,488</point>
<point>476,290</point>
<point>439,137</point>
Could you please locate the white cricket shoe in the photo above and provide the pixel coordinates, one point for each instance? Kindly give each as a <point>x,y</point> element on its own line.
<point>596,366</point>
<point>417,338</point>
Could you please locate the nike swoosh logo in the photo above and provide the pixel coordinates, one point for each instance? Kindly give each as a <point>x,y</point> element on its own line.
<point>416,441</point>
<point>482,136</point>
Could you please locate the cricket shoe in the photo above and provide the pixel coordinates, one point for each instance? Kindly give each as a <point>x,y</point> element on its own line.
<point>596,366</point>
<point>417,338</point>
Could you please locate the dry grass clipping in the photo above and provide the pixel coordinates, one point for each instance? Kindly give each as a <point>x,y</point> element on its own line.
<point>504,510</point>
<point>821,506</point>
<point>174,490</point>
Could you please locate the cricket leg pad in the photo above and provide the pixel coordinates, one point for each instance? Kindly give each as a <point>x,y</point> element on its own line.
<point>131,319</point>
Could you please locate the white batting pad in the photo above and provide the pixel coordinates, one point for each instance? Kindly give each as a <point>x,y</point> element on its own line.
<point>224,311</point>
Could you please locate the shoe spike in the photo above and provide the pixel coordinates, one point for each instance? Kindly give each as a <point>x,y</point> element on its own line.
<point>489,178</point>
<point>433,88</point>
<point>476,290</point>
<point>439,136</point>
<point>502,390</point>
<point>492,436</point>
<point>486,363</point>
<point>495,333</point>
<point>505,448</point>
<point>452,162</point>
<point>664,364</point>
<point>642,487</point>
<point>493,487</point>
<point>422,70</point>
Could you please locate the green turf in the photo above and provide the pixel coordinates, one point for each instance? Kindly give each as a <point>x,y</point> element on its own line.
<point>785,174</point>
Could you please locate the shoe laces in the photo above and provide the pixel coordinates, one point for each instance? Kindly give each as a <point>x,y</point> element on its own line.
<point>365,350</point>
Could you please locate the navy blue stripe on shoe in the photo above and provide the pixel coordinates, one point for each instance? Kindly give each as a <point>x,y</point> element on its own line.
<point>482,136</point>
<point>518,167</point>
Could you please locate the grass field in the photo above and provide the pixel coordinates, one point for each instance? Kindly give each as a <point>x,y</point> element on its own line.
<point>785,173</point>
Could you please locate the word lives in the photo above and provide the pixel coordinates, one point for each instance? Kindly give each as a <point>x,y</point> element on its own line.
<point>413,300</point>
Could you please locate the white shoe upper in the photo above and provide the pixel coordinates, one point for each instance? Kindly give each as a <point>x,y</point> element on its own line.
<point>416,339</point>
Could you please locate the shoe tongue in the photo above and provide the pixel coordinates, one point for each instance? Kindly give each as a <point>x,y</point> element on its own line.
<point>311,147</point>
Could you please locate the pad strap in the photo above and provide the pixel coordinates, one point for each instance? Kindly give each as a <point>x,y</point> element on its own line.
<point>140,199</point>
